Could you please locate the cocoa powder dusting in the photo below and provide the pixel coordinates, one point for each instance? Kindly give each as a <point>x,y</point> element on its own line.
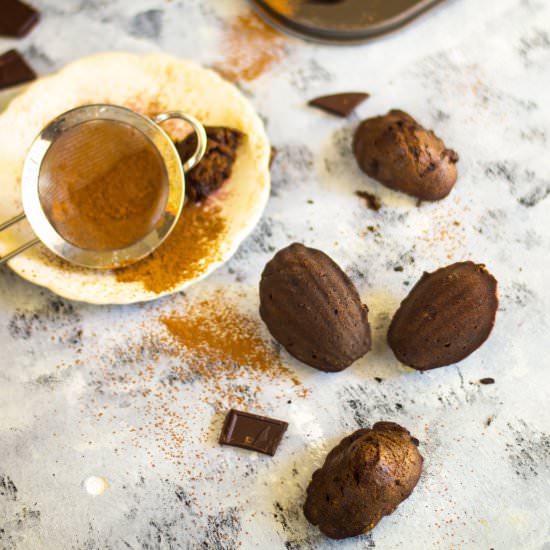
<point>194,244</point>
<point>442,235</point>
<point>212,333</point>
<point>251,48</point>
<point>179,367</point>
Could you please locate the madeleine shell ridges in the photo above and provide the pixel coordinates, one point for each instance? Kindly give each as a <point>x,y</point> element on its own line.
<point>447,315</point>
<point>312,308</point>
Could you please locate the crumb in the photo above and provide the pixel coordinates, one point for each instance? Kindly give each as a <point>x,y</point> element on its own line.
<point>372,201</point>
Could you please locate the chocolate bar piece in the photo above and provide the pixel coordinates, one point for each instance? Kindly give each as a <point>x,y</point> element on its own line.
<point>16,18</point>
<point>339,104</point>
<point>14,70</point>
<point>250,431</point>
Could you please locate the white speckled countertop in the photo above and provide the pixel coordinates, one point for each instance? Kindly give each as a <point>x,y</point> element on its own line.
<point>75,403</point>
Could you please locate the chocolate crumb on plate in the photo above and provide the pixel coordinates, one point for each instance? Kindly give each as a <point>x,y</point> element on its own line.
<point>216,165</point>
<point>14,70</point>
<point>250,431</point>
<point>487,381</point>
<point>339,104</point>
<point>372,201</point>
<point>17,18</point>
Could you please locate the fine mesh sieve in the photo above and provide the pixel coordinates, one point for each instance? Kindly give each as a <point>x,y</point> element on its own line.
<point>103,186</point>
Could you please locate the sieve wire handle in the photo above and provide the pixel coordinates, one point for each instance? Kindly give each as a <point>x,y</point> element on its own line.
<point>199,130</point>
<point>23,247</point>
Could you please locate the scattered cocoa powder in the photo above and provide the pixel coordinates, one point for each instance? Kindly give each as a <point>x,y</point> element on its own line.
<point>194,244</point>
<point>251,48</point>
<point>216,334</point>
<point>207,353</point>
<point>442,237</point>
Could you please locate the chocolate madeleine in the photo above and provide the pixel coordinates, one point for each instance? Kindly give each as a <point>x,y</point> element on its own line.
<point>446,316</point>
<point>397,151</point>
<point>313,309</point>
<point>364,478</point>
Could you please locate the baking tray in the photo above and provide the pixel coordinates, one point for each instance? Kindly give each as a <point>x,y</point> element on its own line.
<point>341,21</point>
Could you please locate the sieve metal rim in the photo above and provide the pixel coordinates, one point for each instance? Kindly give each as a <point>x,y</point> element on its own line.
<point>38,220</point>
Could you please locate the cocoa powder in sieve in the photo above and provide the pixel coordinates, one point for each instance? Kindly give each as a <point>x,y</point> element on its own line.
<point>103,185</point>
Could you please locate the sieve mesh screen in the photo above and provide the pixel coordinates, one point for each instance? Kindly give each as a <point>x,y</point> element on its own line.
<point>103,185</point>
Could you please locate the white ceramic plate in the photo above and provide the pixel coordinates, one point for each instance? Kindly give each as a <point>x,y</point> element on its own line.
<point>148,84</point>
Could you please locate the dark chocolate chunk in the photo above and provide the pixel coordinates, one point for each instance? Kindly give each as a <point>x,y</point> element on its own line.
<point>14,70</point>
<point>216,165</point>
<point>250,431</point>
<point>339,104</point>
<point>487,381</point>
<point>16,18</point>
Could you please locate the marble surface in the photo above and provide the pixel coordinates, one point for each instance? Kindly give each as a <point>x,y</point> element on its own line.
<point>89,456</point>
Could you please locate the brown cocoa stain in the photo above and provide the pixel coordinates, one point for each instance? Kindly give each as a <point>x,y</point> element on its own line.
<point>193,245</point>
<point>251,48</point>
